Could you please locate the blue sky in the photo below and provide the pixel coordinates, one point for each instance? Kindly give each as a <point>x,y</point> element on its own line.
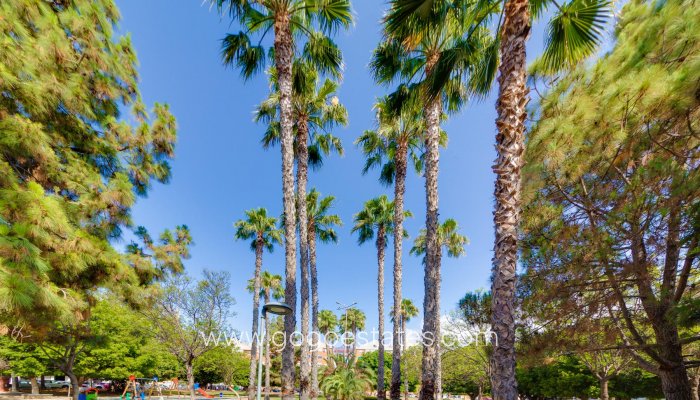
<point>221,170</point>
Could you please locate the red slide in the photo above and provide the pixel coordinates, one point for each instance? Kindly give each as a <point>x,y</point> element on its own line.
<point>204,394</point>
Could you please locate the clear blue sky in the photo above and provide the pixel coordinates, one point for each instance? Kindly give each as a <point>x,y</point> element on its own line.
<point>221,170</point>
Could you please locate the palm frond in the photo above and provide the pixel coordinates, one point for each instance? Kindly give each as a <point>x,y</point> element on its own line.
<point>236,50</point>
<point>574,33</point>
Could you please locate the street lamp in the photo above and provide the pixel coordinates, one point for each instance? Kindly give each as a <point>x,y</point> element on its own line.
<point>272,308</point>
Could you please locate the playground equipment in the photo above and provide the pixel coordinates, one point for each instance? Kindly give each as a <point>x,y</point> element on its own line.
<point>204,393</point>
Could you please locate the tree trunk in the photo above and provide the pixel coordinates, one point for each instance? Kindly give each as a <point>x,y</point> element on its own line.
<point>302,176</point>
<point>403,345</point>
<point>266,350</point>
<point>256,310</point>
<point>283,63</point>
<point>75,384</point>
<point>399,191</point>
<point>604,389</point>
<point>510,123</point>
<point>189,371</point>
<point>431,280</point>
<point>381,246</point>
<point>695,385</point>
<point>14,384</point>
<point>35,385</point>
<point>42,382</point>
<point>314,310</point>
<point>675,384</point>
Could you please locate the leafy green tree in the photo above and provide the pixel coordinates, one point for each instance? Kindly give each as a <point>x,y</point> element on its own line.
<point>288,20</point>
<point>222,364</point>
<point>321,226</point>
<point>188,316</point>
<point>263,232</point>
<point>23,359</point>
<point>370,360</point>
<point>377,218</point>
<point>618,196</point>
<point>71,166</point>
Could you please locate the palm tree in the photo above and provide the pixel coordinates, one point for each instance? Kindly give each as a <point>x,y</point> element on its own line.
<point>263,232</point>
<point>407,311</point>
<point>412,54</point>
<point>288,20</point>
<point>398,136</point>
<point>347,381</point>
<point>377,217</point>
<point>327,322</point>
<point>316,111</point>
<point>454,243</point>
<point>321,224</point>
<point>270,287</point>
<point>350,322</point>
<point>573,34</point>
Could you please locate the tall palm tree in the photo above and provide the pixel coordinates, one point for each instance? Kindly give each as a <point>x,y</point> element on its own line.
<point>453,243</point>
<point>321,226</point>
<point>412,54</point>
<point>270,288</point>
<point>350,322</point>
<point>389,147</point>
<point>316,111</point>
<point>573,34</point>
<point>377,219</point>
<point>287,20</point>
<point>263,232</point>
<point>407,311</point>
<point>327,322</point>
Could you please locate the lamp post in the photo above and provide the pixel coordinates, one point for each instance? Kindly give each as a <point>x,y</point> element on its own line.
<point>272,308</point>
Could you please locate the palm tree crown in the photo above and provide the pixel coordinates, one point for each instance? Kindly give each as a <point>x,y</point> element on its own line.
<point>258,225</point>
<point>448,237</point>
<point>327,321</point>
<point>377,213</point>
<point>396,131</point>
<point>269,283</point>
<point>258,18</point>
<point>313,102</point>
<point>320,220</point>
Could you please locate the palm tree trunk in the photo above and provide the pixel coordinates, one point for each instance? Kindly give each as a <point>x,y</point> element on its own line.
<point>403,345</point>
<point>284,51</point>
<point>256,310</point>
<point>314,310</point>
<point>266,350</point>
<point>399,191</point>
<point>438,333</point>
<point>381,246</point>
<point>512,99</point>
<point>431,280</point>
<point>302,176</point>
